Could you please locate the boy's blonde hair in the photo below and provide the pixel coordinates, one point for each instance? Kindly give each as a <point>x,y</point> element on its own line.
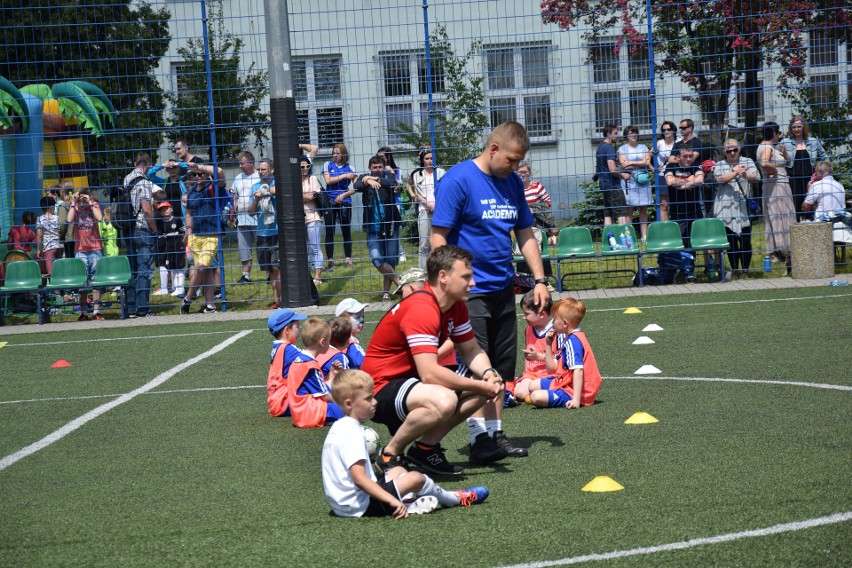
<point>347,383</point>
<point>341,330</point>
<point>313,330</point>
<point>569,309</point>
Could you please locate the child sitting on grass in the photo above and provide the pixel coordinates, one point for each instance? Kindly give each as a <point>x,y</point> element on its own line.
<point>539,323</point>
<point>284,326</point>
<point>350,484</point>
<point>335,358</point>
<point>577,379</point>
<point>309,399</point>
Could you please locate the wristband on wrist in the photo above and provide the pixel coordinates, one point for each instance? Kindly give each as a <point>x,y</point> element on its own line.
<point>541,281</point>
<point>492,370</point>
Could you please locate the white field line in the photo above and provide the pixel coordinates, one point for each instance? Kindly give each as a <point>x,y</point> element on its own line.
<point>67,398</point>
<point>132,338</point>
<point>700,304</point>
<point>641,378</point>
<point>100,410</point>
<point>718,539</point>
<point>721,380</point>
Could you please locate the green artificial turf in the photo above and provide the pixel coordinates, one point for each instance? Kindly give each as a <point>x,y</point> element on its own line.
<point>187,477</point>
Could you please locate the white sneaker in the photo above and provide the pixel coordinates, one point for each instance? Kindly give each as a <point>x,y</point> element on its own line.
<point>178,291</point>
<point>402,258</point>
<point>423,505</point>
<point>160,292</point>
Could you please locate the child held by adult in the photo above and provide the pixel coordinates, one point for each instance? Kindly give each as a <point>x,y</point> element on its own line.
<point>539,324</point>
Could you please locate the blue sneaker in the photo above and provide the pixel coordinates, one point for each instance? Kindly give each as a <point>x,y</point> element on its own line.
<point>472,496</point>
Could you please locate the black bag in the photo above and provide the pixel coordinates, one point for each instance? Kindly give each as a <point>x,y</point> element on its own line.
<point>321,200</point>
<point>123,216</point>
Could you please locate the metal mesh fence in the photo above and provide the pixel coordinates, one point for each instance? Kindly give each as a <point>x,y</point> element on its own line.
<point>88,86</point>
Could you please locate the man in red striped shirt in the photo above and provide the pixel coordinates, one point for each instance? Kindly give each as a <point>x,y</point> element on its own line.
<point>417,397</point>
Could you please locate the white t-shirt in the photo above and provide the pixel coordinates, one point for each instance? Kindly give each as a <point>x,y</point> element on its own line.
<point>345,446</point>
<point>242,191</point>
<point>827,194</point>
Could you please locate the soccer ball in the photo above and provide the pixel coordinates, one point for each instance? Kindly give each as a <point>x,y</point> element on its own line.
<point>372,439</point>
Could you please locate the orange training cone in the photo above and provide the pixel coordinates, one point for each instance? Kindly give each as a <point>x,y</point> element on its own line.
<point>59,364</point>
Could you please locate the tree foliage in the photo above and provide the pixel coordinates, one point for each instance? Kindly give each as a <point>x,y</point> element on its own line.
<point>827,118</point>
<point>237,94</point>
<point>114,44</point>
<point>712,44</point>
<point>461,122</point>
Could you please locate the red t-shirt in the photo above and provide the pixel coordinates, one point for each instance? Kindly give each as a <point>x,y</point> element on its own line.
<point>87,237</point>
<point>415,325</point>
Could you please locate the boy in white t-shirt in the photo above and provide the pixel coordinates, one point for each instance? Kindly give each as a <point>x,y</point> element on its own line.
<point>350,484</point>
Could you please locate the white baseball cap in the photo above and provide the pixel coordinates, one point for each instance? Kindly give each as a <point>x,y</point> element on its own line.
<point>350,305</point>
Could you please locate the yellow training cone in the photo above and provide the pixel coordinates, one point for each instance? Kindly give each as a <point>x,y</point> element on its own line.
<point>603,484</point>
<point>3,344</point>
<point>632,311</point>
<point>641,418</point>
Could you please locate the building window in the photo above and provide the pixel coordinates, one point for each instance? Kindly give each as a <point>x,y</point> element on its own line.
<point>607,109</point>
<point>640,108</point>
<point>405,80</point>
<point>518,87</point>
<point>319,101</point>
<point>822,49</point>
<point>605,62</point>
<point>826,89</point>
<point>742,104</point>
<point>182,80</point>
<point>630,100</point>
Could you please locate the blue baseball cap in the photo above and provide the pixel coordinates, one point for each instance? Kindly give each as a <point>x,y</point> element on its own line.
<point>281,318</point>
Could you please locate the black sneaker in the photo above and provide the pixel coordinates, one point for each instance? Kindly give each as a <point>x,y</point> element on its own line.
<point>432,460</point>
<point>184,309</point>
<point>385,461</point>
<point>244,279</point>
<point>485,450</point>
<point>511,449</point>
<point>205,309</point>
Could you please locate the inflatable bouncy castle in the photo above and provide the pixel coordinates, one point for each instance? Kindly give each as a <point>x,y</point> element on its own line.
<point>41,140</point>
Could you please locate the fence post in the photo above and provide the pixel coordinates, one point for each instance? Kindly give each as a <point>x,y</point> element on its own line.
<point>292,238</point>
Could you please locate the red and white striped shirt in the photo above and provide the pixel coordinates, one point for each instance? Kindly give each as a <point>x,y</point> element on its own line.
<point>536,192</point>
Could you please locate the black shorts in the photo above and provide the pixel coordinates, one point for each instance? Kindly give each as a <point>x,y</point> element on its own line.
<point>267,252</point>
<point>378,508</point>
<point>391,406</point>
<point>615,202</point>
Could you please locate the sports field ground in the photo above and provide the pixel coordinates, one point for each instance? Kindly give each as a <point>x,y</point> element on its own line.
<point>153,448</point>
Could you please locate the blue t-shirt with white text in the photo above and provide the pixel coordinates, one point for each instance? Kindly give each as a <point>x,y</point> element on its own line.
<point>481,211</point>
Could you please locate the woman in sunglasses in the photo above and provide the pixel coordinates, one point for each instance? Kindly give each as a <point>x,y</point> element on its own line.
<point>734,175</point>
<point>664,149</point>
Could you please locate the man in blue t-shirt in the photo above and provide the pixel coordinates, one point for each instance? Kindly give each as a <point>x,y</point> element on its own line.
<point>609,178</point>
<point>477,205</point>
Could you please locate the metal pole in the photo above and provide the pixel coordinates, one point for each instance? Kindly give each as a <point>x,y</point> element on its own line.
<point>653,100</point>
<point>429,82</point>
<point>292,234</point>
<point>212,126</point>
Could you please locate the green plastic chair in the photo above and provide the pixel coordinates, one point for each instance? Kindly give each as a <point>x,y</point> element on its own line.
<point>617,230</point>
<point>23,276</point>
<point>67,274</point>
<point>664,236</point>
<point>573,242</point>
<point>112,271</point>
<point>708,234</point>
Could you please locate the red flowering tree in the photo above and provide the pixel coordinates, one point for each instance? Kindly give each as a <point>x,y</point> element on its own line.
<point>712,44</point>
